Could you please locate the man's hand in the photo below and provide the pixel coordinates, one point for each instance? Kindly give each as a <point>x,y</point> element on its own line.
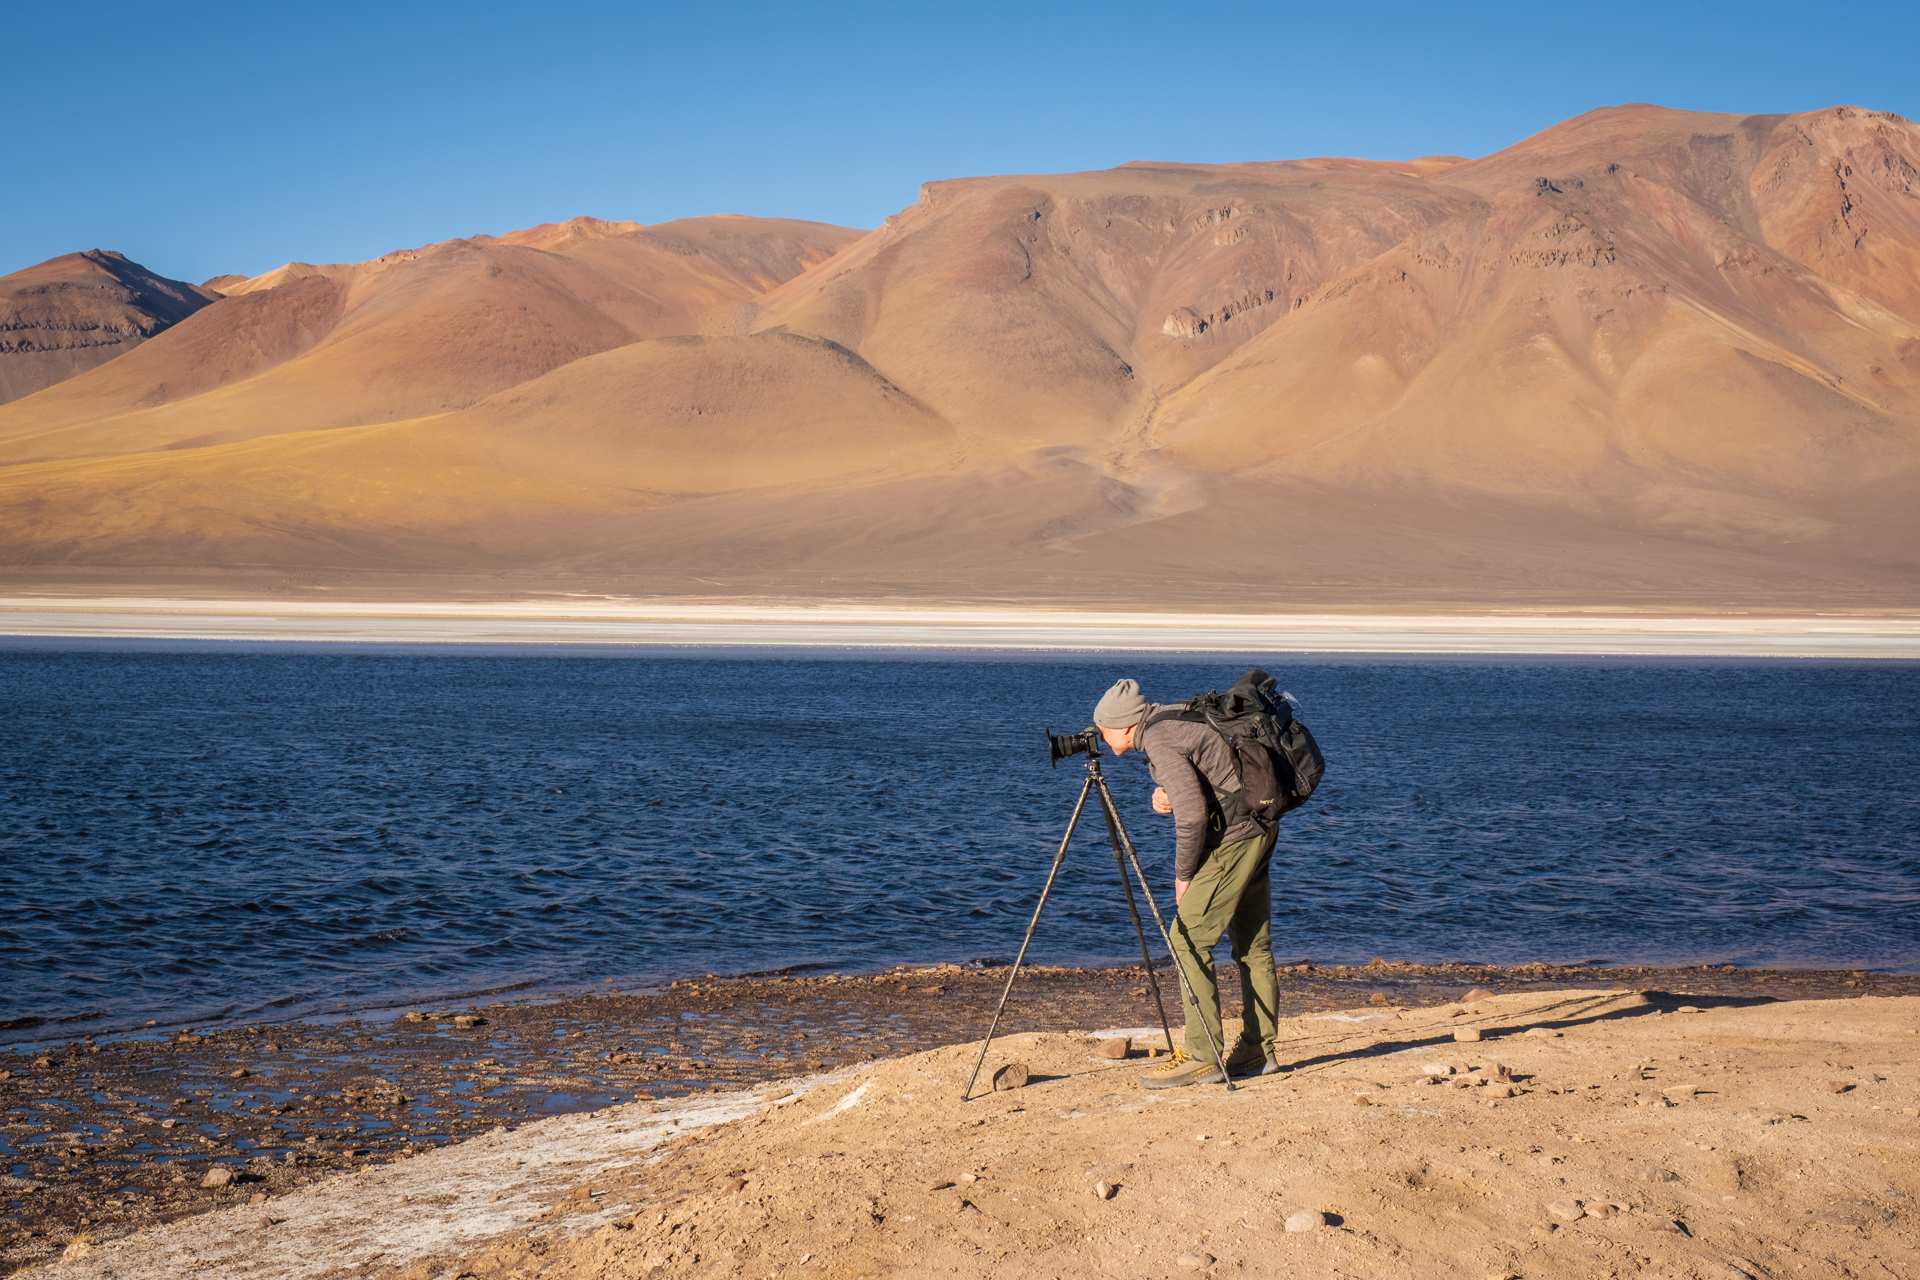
<point>1180,890</point>
<point>1160,802</point>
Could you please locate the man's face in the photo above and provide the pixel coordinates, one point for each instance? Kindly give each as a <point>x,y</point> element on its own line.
<point>1119,741</point>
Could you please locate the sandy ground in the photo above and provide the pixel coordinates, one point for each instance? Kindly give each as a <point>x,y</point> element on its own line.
<point>1582,1134</point>
<point>608,622</point>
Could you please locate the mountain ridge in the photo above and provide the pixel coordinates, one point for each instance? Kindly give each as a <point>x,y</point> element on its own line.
<point>1682,347</point>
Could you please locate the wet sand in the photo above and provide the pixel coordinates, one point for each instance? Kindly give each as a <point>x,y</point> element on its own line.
<point>603,622</point>
<point>115,1135</point>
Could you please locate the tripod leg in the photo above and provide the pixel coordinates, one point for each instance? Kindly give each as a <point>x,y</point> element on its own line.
<point>1133,909</point>
<point>1146,891</point>
<point>1060,856</point>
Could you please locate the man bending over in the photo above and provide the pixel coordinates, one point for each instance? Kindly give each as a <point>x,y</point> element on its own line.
<point>1220,882</point>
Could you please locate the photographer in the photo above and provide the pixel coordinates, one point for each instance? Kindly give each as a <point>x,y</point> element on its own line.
<point>1220,885</point>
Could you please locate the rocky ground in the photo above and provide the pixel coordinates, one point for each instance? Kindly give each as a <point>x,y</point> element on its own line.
<point>110,1139</point>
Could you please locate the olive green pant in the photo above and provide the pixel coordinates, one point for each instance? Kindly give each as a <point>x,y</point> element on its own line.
<point>1231,894</point>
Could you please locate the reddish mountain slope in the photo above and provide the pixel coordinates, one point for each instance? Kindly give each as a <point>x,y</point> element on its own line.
<point>70,313</point>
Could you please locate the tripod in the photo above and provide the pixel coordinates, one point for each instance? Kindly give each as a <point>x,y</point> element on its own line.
<point>1118,839</point>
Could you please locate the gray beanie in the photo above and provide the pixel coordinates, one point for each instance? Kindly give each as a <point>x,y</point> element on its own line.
<point>1120,707</point>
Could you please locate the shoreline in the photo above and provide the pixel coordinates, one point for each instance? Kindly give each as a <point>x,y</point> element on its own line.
<point>1555,1131</point>
<point>689,625</point>
<point>103,1128</point>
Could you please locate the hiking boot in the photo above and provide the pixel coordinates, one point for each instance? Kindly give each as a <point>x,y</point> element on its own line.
<point>1182,1070</point>
<point>1252,1060</point>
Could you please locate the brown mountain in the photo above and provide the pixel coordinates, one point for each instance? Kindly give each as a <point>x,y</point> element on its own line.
<point>1648,358</point>
<point>70,313</point>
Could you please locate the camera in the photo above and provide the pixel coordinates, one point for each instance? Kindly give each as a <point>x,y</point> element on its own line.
<point>1062,745</point>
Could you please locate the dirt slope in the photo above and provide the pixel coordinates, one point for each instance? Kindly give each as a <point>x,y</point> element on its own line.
<point>71,313</point>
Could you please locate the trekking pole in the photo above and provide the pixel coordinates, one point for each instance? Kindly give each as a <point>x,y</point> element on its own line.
<point>1186,988</point>
<point>1059,857</point>
<point>1126,887</point>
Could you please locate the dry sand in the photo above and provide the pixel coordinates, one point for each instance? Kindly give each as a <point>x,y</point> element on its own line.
<point>1624,1137</point>
<point>601,622</point>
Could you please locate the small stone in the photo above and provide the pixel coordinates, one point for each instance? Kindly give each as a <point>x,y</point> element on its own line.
<point>1362,1099</point>
<point>1653,1173</point>
<point>1118,1048</point>
<point>941,1185</point>
<point>1679,1092</point>
<point>1668,1225</point>
<point>1500,1089</point>
<point>1011,1076</point>
<point>168,1124</point>
<point>1686,1008</point>
<point>1424,1080</point>
<point>1541,1033</point>
<point>1567,1210</point>
<point>1475,995</point>
<point>1104,1190</point>
<point>1838,1086</point>
<point>258,1197</point>
<point>733,1186</point>
<point>580,1193</point>
<point>1543,1230</point>
<point>467,1021</point>
<point>1306,1220</point>
<point>1600,1209</point>
<point>265,1223</point>
<point>1437,1069</point>
<point>1194,1261</point>
<point>1377,997</point>
<point>218,1176</point>
<point>1467,1034</point>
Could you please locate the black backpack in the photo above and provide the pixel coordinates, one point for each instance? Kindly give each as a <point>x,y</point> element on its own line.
<point>1280,763</point>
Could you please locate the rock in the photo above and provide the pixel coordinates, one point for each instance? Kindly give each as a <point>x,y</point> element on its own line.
<point>218,1176</point>
<point>580,1193</point>
<point>1467,1034</point>
<point>1362,1099</point>
<point>1437,1069</point>
<point>1542,1033</point>
<point>1567,1210</point>
<point>1424,1080</point>
<point>1194,1261</point>
<point>1499,1089</point>
<point>1838,1086</point>
<point>1377,998</point>
<point>1686,1008</point>
<point>1679,1092</point>
<point>1011,1076</point>
<point>941,1185</point>
<point>1600,1209</point>
<point>1477,994</point>
<point>1667,1225</point>
<point>241,1074</point>
<point>467,1021</point>
<point>1543,1230</point>
<point>168,1124</point>
<point>1653,1173</point>
<point>1104,1190</point>
<point>733,1186</point>
<point>1118,1048</point>
<point>258,1197</point>
<point>1306,1220</point>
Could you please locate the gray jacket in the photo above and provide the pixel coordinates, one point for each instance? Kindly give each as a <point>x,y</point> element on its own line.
<point>1194,764</point>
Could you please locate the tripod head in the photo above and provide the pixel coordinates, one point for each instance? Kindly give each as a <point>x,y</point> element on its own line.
<point>1062,745</point>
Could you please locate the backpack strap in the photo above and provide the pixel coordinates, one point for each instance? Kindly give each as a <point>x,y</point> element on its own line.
<point>1229,807</point>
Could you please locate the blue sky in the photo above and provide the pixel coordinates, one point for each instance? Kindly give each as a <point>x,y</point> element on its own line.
<point>201,139</point>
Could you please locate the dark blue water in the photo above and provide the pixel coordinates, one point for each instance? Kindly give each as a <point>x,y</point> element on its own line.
<point>190,836</point>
